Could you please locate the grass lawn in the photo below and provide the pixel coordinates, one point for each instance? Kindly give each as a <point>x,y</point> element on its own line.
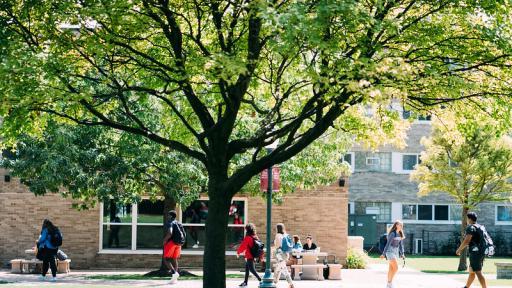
<point>141,277</point>
<point>443,264</point>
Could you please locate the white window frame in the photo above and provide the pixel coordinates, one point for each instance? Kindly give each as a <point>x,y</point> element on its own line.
<point>440,222</point>
<point>372,159</point>
<point>133,250</point>
<point>496,222</point>
<point>402,162</point>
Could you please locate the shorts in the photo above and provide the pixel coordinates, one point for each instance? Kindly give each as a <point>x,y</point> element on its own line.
<point>392,253</point>
<point>172,250</point>
<point>476,261</point>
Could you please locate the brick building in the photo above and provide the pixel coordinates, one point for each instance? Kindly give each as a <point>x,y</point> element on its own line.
<point>129,236</point>
<point>380,192</point>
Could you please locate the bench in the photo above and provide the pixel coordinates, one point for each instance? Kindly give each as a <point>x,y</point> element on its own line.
<point>35,266</point>
<point>31,266</point>
<point>309,271</point>
<point>504,270</point>
<point>334,271</point>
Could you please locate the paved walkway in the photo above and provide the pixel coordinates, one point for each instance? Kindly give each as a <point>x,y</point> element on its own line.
<point>374,277</point>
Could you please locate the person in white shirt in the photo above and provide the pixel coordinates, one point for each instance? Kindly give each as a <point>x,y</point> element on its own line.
<point>282,254</point>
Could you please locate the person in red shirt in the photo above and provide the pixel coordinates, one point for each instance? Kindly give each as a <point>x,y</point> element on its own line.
<point>245,248</point>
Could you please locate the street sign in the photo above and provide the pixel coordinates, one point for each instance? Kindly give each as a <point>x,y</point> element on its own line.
<point>264,179</point>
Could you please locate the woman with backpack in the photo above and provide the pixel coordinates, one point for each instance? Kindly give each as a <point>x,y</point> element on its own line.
<point>394,250</point>
<point>47,245</point>
<point>283,245</point>
<point>247,247</point>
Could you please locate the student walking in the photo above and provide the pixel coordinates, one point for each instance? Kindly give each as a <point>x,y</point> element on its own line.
<point>473,238</point>
<point>394,250</point>
<point>283,246</point>
<point>48,243</point>
<point>173,240</point>
<point>246,247</point>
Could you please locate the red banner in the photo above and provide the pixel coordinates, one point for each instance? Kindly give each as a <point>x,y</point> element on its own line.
<point>264,179</point>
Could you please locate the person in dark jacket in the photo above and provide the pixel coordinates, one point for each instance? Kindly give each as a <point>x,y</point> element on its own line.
<point>48,250</point>
<point>476,255</point>
<point>245,248</point>
<point>394,250</point>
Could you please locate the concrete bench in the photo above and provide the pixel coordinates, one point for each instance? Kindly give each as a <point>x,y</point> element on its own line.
<point>504,270</point>
<point>31,266</point>
<point>63,266</point>
<point>334,271</point>
<point>309,271</point>
<point>35,266</point>
<point>16,265</point>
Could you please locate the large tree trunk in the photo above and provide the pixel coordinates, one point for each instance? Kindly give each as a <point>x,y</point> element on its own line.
<point>214,262</point>
<point>463,256</point>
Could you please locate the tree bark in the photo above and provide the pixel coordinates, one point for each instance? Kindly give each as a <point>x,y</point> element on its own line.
<point>463,256</point>
<point>214,262</point>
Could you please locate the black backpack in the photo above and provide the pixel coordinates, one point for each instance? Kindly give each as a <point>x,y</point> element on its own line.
<point>56,238</point>
<point>486,243</point>
<point>257,248</point>
<point>383,240</point>
<point>178,233</point>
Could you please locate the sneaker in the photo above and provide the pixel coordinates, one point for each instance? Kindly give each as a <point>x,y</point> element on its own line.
<point>174,278</point>
<point>41,278</point>
<point>244,284</point>
<point>53,279</point>
<point>195,246</point>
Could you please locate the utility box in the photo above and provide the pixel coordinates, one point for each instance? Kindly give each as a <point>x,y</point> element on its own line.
<point>365,226</point>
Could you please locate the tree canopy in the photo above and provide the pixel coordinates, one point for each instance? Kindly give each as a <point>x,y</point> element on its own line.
<point>220,80</point>
<point>469,157</point>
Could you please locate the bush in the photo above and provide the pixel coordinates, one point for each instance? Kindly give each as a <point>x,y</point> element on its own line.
<point>356,259</point>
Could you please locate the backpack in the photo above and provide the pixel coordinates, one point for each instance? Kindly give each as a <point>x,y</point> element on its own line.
<point>486,243</point>
<point>178,233</point>
<point>286,243</point>
<point>56,238</point>
<point>257,248</point>
<point>383,241</point>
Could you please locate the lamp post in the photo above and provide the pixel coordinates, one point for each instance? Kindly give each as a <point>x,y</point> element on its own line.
<point>268,280</point>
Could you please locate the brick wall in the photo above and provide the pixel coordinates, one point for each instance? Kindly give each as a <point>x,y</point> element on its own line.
<point>22,215</point>
<point>321,212</point>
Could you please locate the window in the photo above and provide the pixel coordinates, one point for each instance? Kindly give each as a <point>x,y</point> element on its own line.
<point>431,212</point>
<point>383,208</point>
<point>424,212</point>
<point>409,161</point>
<point>117,226</point>
<point>368,161</point>
<point>409,212</point>
<point>347,158</point>
<point>372,161</point>
<point>441,212</point>
<point>407,114</point>
<point>194,220</point>
<point>139,227</point>
<point>504,214</point>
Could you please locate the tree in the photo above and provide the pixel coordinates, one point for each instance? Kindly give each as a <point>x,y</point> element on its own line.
<point>469,157</point>
<point>220,80</point>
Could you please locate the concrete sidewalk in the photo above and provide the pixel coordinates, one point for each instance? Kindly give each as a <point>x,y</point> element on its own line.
<point>373,277</point>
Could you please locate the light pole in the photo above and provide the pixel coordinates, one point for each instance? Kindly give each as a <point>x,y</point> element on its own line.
<point>268,280</point>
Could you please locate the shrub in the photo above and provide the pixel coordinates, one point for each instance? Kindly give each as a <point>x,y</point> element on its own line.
<point>356,259</point>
